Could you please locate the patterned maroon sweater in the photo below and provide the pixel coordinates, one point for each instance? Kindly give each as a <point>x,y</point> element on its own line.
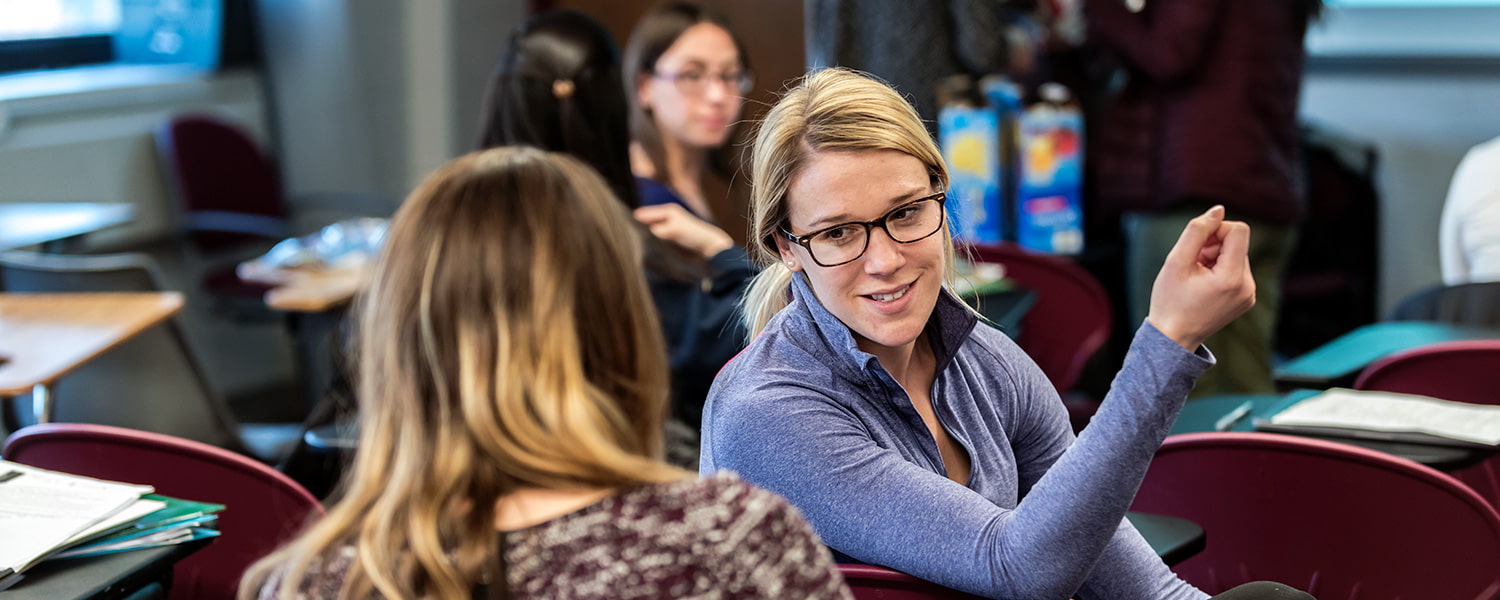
<point>716,537</point>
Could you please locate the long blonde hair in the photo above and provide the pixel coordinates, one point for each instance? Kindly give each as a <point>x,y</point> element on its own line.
<point>508,340</point>
<point>829,110</point>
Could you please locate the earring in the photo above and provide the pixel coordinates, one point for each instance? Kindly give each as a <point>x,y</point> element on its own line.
<point>788,264</point>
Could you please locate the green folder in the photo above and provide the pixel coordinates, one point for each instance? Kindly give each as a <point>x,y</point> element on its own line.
<point>178,522</point>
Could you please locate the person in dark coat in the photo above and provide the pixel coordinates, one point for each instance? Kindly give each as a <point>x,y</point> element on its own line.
<point>914,45</point>
<point>1208,115</point>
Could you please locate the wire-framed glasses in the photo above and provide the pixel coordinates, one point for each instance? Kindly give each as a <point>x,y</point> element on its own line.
<point>846,242</point>
<point>694,82</point>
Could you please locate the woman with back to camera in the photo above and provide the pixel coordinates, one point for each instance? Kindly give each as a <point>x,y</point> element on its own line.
<point>687,74</point>
<point>510,433</point>
<point>558,88</point>
<point>910,434</point>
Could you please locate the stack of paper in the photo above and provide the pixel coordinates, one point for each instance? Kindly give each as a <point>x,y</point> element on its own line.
<point>1391,416</point>
<point>46,514</point>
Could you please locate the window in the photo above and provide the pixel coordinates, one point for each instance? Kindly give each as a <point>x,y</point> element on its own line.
<point>52,34</point>
<point>45,19</point>
<point>49,34</point>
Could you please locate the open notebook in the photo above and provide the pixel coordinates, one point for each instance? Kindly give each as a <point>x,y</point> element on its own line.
<point>1391,417</point>
<point>41,510</point>
<point>46,514</point>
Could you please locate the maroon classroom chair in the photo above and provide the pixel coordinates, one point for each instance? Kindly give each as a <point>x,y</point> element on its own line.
<point>1462,371</point>
<point>227,189</point>
<point>1069,322</point>
<point>229,198</point>
<point>870,582</point>
<point>1337,521</point>
<point>263,508</point>
<point>1465,371</point>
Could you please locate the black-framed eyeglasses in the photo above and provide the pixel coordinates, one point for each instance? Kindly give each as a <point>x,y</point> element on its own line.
<point>846,242</point>
<point>694,82</point>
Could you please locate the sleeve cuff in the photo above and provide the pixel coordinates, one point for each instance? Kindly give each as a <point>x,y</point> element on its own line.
<point>1155,343</point>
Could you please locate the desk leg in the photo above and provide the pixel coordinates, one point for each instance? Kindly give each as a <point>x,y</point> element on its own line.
<point>41,403</point>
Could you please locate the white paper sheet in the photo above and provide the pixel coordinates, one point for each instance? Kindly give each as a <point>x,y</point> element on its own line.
<point>40,510</point>
<point>1391,412</point>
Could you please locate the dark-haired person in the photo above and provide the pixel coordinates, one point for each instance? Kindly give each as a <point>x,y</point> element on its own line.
<point>688,74</point>
<point>558,88</point>
<point>1207,116</point>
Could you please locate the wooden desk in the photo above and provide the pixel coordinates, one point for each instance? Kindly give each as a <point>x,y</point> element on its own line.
<point>308,290</point>
<point>26,224</point>
<point>1338,363</point>
<point>44,336</point>
<point>1205,414</point>
<point>144,573</point>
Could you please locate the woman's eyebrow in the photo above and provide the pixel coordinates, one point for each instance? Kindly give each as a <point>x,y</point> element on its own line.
<point>895,201</point>
<point>692,64</point>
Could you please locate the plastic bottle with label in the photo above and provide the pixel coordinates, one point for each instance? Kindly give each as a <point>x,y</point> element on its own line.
<point>1049,183</point>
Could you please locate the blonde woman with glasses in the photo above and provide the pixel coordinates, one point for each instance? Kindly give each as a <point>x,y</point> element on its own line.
<point>512,387</point>
<point>687,75</point>
<point>912,435</point>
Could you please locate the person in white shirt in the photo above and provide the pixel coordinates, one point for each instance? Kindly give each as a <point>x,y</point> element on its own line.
<point>1469,237</point>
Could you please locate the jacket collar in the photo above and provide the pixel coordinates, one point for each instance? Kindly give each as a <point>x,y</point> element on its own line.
<point>823,334</point>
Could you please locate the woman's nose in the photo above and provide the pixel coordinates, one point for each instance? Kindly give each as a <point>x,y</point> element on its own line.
<point>717,91</point>
<point>883,255</point>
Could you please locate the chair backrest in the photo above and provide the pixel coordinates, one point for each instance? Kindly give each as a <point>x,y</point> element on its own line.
<point>263,507</point>
<point>218,173</point>
<point>870,582</point>
<point>1071,318</point>
<point>1462,371</point>
<point>1464,304</point>
<point>152,381</point>
<point>1334,520</point>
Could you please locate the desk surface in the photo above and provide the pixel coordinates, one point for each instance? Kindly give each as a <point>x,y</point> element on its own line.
<point>44,336</point>
<point>1205,414</point>
<point>1174,539</point>
<point>101,577</point>
<point>1337,363</point>
<point>25,224</point>
<point>308,291</point>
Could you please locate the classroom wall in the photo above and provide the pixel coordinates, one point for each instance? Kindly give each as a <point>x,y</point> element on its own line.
<point>371,95</point>
<point>93,142</point>
<point>358,99</point>
<point>1423,86</point>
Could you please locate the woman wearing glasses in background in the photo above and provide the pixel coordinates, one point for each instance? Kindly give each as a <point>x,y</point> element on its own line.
<point>688,74</point>
<point>558,88</point>
<point>909,433</point>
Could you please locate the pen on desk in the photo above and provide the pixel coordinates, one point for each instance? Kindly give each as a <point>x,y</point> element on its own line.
<point>1228,421</point>
<point>9,475</point>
